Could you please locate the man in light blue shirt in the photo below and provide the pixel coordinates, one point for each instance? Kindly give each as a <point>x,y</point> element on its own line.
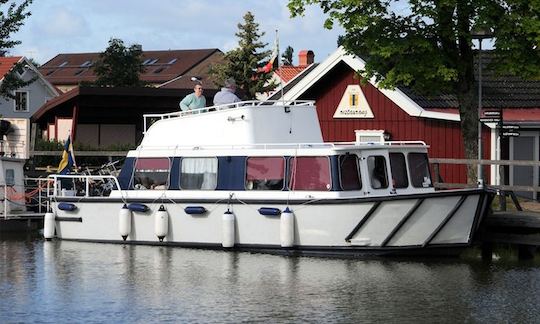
<point>194,100</point>
<point>226,95</point>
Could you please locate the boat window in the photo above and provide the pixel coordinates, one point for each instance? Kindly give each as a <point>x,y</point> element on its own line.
<point>199,173</point>
<point>377,171</point>
<point>265,173</point>
<point>399,170</point>
<point>349,172</point>
<point>419,170</point>
<point>310,173</point>
<point>151,173</point>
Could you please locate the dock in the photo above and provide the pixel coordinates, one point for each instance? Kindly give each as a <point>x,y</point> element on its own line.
<point>518,228</point>
<point>21,222</point>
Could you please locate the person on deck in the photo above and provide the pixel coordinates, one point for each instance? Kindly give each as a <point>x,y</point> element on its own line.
<point>226,94</point>
<point>194,100</point>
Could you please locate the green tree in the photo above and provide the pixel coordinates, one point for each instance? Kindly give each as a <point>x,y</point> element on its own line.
<point>287,56</point>
<point>119,66</point>
<point>244,62</point>
<point>427,45</point>
<point>11,20</point>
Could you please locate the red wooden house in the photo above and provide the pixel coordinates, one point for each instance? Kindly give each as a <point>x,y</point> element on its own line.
<point>346,108</point>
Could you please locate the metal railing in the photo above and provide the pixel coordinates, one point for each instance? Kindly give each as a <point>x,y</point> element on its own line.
<point>149,119</point>
<point>81,185</point>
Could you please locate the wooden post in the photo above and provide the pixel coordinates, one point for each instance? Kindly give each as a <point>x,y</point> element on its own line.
<point>502,193</point>
<point>487,251</point>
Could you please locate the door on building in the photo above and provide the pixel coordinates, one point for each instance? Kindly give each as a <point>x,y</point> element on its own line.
<point>525,148</point>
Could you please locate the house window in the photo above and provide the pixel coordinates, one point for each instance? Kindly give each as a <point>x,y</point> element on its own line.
<point>399,170</point>
<point>310,173</point>
<point>349,172</point>
<point>377,171</point>
<point>199,173</point>
<point>10,177</point>
<point>21,101</point>
<point>151,173</point>
<point>265,173</point>
<point>419,170</point>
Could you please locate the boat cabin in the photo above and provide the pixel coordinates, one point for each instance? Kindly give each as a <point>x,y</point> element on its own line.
<point>387,168</point>
<point>262,147</point>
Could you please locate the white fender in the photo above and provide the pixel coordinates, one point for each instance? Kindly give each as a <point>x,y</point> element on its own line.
<point>228,229</point>
<point>161,223</point>
<point>124,222</point>
<point>49,225</point>
<point>286,229</point>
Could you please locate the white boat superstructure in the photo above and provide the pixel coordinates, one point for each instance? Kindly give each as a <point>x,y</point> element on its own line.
<point>257,176</point>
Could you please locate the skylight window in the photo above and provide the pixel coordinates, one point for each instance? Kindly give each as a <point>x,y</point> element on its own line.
<point>173,61</point>
<point>63,64</point>
<point>150,61</point>
<point>86,64</point>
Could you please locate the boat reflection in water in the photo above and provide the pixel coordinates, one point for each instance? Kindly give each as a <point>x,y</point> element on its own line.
<point>257,176</point>
<point>64,281</point>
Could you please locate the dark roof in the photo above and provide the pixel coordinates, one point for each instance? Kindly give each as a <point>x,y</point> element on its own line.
<point>293,82</point>
<point>161,66</point>
<point>497,91</point>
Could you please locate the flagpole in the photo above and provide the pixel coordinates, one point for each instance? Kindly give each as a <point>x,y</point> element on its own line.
<point>281,77</point>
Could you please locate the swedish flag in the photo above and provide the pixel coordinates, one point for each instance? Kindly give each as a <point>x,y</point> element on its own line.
<point>68,158</point>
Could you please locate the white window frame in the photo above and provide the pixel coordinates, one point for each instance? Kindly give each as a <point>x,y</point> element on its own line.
<point>27,102</point>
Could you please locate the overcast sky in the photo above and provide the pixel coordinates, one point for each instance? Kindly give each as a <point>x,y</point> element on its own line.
<point>78,26</point>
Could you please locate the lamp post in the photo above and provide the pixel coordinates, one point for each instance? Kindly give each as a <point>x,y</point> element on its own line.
<point>480,35</point>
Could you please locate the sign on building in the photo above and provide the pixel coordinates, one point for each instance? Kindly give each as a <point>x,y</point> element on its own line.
<point>353,104</point>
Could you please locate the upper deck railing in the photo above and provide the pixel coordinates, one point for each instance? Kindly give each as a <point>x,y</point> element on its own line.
<point>149,119</point>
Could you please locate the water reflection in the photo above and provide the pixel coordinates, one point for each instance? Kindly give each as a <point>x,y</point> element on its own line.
<point>74,282</point>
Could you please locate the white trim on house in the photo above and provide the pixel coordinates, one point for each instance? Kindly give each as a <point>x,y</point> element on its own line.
<point>356,63</point>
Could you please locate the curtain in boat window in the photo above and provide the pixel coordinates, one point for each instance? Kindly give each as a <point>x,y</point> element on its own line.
<point>151,173</point>
<point>265,173</point>
<point>199,173</point>
<point>310,173</point>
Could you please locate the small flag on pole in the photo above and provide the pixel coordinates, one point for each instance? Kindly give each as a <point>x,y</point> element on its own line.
<point>68,158</point>
<point>275,52</point>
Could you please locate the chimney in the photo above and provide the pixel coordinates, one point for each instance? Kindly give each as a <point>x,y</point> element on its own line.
<point>306,57</point>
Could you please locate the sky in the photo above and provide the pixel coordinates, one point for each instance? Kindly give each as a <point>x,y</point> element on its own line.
<point>80,26</point>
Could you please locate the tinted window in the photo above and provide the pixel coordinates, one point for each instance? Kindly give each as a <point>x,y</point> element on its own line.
<point>377,171</point>
<point>349,172</point>
<point>265,173</point>
<point>419,170</point>
<point>399,170</point>
<point>151,173</point>
<point>310,173</point>
<point>199,173</point>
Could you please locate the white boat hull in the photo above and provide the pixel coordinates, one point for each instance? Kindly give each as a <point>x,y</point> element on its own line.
<point>421,223</point>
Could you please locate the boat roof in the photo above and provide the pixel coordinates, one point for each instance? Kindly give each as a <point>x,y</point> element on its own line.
<point>247,126</point>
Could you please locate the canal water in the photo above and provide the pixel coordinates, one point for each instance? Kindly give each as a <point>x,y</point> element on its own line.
<point>71,282</point>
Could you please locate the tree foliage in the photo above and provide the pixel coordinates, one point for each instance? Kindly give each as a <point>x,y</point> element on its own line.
<point>119,66</point>
<point>287,56</point>
<point>244,62</point>
<point>427,45</point>
<point>11,20</point>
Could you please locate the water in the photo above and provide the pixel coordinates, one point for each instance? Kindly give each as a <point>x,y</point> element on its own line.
<point>69,282</point>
